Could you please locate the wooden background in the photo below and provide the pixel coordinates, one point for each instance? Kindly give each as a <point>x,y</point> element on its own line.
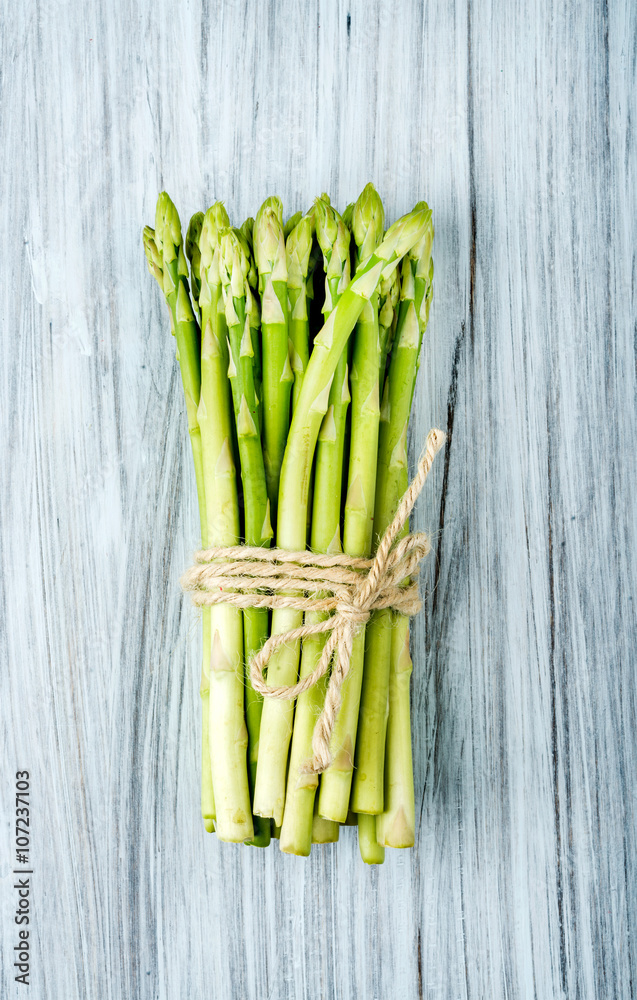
<point>517,123</point>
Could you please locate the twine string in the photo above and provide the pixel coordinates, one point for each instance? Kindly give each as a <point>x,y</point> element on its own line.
<point>349,589</point>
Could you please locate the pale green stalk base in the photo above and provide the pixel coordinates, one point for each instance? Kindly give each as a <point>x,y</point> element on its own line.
<point>296,829</point>
<point>368,791</point>
<point>227,723</point>
<point>254,633</point>
<point>228,736</point>
<point>207,793</point>
<point>396,826</point>
<point>323,830</point>
<point>336,782</point>
<point>276,722</point>
<point>297,838</point>
<point>372,852</point>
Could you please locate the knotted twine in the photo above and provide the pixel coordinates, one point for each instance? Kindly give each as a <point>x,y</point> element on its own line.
<point>346,587</point>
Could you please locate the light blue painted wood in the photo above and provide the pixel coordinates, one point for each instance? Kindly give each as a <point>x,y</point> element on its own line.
<point>516,124</point>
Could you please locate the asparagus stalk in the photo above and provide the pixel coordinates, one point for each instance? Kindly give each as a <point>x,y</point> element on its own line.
<point>276,723</point>
<point>314,310</point>
<point>298,246</point>
<point>234,271</point>
<point>396,826</point>
<point>167,264</point>
<point>368,220</point>
<point>269,252</point>
<point>208,810</point>
<point>227,728</point>
<point>298,823</point>
<point>372,852</point>
<point>368,786</point>
<point>207,795</point>
<point>324,831</point>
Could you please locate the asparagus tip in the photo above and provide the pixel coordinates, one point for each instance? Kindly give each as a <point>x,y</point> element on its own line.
<point>368,221</point>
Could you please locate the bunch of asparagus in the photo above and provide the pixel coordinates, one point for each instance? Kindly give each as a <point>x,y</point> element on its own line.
<point>298,345</point>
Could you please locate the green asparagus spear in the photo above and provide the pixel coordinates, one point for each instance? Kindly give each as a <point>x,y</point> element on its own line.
<point>298,823</point>
<point>227,731</point>
<point>368,221</point>
<point>368,786</point>
<point>234,269</point>
<point>207,795</point>
<point>269,252</point>
<point>396,826</point>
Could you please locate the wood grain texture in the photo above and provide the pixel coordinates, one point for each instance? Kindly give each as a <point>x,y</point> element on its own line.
<point>516,123</point>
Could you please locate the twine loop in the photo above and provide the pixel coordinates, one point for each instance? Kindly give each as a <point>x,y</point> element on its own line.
<point>346,589</point>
